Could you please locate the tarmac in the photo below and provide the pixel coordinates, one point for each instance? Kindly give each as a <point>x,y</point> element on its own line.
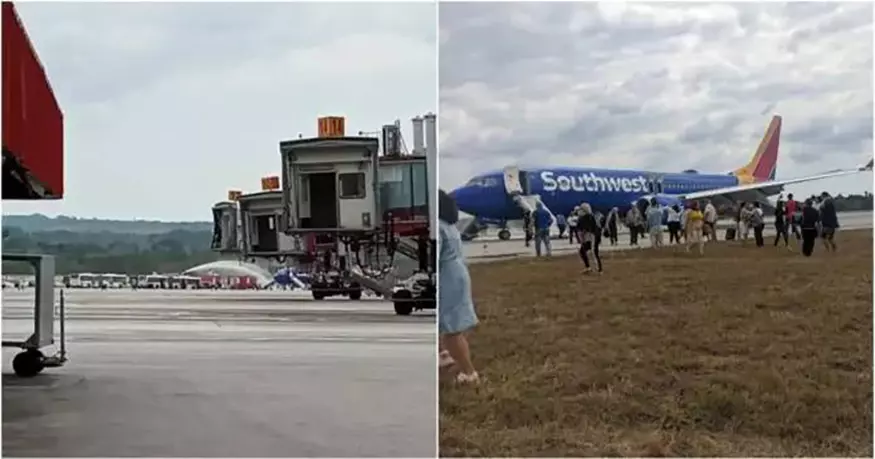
<point>224,374</point>
<point>488,247</point>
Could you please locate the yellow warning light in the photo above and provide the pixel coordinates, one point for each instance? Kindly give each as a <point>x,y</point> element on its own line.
<point>234,195</point>
<point>270,183</point>
<point>332,126</point>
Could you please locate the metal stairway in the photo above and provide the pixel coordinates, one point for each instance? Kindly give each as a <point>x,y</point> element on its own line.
<point>408,247</point>
<point>526,202</point>
<point>381,286</point>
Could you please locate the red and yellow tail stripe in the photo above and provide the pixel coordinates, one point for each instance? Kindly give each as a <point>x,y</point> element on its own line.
<point>764,163</point>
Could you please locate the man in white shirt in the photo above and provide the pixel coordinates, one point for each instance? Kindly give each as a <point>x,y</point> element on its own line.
<point>572,226</point>
<point>746,214</point>
<point>710,221</point>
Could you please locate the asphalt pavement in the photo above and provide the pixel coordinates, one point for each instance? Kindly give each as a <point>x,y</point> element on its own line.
<point>224,374</point>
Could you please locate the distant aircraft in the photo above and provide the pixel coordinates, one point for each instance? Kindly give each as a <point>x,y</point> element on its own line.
<point>287,277</point>
<point>500,196</point>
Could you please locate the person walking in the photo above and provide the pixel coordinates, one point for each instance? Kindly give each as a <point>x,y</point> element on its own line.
<point>634,221</point>
<point>654,223</point>
<point>591,234</point>
<point>542,221</point>
<point>673,220</point>
<point>808,224</point>
<point>612,225</point>
<point>527,227</point>
<point>456,315</point>
<point>561,224</point>
<point>781,223</point>
<point>685,209</point>
<point>573,233</point>
<point>745,216</point>
<point>757,222</point>
<point>738,213</point>
<point>695,222</point>
<point>829,222</point>
<point>794,216</point>
<point>710,221</point>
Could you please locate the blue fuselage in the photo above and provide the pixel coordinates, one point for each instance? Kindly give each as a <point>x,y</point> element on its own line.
<point>561,189</point>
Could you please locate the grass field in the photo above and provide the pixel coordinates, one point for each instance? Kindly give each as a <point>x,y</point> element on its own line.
<point>742,352</point>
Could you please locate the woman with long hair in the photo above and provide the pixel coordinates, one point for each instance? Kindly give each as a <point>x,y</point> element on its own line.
<point>456,315</point>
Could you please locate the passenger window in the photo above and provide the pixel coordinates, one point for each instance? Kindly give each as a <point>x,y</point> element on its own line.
<point>352,185</point>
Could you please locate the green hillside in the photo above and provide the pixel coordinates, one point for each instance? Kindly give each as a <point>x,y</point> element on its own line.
<point>95,245</point>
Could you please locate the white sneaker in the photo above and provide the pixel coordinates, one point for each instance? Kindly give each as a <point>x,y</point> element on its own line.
<point>465,378</point>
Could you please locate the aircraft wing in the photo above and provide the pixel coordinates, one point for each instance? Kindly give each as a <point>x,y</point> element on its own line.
<point>753,191</point>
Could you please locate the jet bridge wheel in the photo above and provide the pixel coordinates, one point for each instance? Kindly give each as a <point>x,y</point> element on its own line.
<point>504,234</point>
<point>28,363</point>
<point>403,301</point>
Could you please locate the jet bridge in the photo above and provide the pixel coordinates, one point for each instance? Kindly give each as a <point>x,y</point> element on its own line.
<point>226,215</point>
<point>353,209</point>
<point>263,236</point>
<point>329,203</point>
<point>33,166</point>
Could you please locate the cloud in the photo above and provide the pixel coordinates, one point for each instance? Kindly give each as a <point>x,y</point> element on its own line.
<point>169,105</point>
<point>655,86</point>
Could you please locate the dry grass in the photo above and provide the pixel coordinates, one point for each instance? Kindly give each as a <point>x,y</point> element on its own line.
<point>744,352</point>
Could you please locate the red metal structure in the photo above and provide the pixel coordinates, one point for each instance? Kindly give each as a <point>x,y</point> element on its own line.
<point>33,124</point>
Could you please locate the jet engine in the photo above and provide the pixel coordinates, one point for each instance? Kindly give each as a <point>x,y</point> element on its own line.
<point>664,200</point>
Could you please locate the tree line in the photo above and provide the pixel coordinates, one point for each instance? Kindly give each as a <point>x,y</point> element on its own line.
<point>110,252</point>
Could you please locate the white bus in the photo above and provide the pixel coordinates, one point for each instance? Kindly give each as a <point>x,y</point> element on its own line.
<point>185,282</point>
<point>152,281</point>
<point>113,280</point>
<point>82,280</point>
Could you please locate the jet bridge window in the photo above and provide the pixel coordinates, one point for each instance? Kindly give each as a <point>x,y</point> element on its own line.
<point>352,185</point>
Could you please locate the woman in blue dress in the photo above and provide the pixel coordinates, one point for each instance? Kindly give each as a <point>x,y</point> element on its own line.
<point>456,314</point>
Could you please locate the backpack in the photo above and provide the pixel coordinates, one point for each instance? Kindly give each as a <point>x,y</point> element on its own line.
<point>756,217</point>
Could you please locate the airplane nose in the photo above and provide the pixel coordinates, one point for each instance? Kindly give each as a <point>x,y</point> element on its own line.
<point>460,196</point>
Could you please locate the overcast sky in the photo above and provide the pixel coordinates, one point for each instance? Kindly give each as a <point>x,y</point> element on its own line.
<point>661,87</point>
<point>169,105</point>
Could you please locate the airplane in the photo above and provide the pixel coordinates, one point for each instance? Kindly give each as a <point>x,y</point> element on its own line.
<point>496,197</point>
<point>287,277</point>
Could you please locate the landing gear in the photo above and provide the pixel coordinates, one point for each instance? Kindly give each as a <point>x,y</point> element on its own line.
<point>403,301</point>
<point>335,286</point>
<point>28,363</point>
<point>504,234</point>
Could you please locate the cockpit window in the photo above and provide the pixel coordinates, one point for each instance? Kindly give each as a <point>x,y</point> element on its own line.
<point>484,182</point>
